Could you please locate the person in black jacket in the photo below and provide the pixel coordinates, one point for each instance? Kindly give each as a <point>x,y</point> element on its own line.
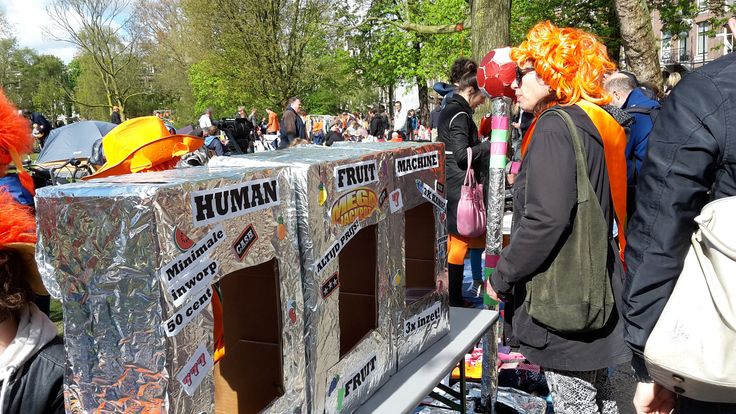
<point>458,131</point>
<point>44,126</point>
<point>690,162</point>
<point>545,201</point>
<point>31,355</point>
<point>115,116</point>
<point>376,125</point>
<point>334,135</point>
<point>292,126</point>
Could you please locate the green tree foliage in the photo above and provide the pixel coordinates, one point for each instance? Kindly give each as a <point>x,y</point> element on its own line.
<point>677,15</point>
<point>389,52</point>
<point>596,16</point>
<point>169,48</point>
<point>30,80</point>
<point>260,52</point>
<point>104,31</point>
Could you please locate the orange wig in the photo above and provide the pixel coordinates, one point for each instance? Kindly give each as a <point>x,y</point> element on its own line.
<point>570,61</point>
<point>15,139</point>
<point>17,224</point>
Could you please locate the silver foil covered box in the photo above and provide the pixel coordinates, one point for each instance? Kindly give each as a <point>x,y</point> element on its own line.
<point>373,246</point>
<point>418,218</point>
<point>147,264</point>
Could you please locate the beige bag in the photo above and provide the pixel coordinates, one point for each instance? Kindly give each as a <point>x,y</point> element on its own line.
<point>692,349</point>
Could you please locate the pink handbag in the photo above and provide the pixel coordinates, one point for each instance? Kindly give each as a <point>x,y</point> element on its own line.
<point>471,210</point>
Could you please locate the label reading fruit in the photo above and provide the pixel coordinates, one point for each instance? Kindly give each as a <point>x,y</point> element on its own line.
<point>355,175</point>
<point>245,241</point>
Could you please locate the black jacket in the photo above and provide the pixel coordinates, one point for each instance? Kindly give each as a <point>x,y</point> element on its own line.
<point>544,200</point>
<point>115,118</point>
<point>37,387</point>
<point>292,127</point>
<point>333,137</point>
<point>456,128</point>
<point>376,126</point>
<point>691,160</point>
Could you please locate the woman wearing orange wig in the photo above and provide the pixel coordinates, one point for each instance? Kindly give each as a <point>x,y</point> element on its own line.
<point>563,68</point>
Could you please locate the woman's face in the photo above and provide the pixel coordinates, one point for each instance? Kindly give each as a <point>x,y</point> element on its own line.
<point>530,89</point>
<point>476,98</point>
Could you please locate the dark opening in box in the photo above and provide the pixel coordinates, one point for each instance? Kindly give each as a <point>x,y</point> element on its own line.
<point>250,376</point>
<point>420,239</point>
<point>357,262</point>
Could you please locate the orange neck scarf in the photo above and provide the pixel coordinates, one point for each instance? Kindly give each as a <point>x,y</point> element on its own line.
<point>614,146</point>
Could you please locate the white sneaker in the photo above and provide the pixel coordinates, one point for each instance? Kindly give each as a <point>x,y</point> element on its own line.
<point>477,288</point>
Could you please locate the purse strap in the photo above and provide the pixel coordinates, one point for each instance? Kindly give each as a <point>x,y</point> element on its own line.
<point>581,168</point>
<point>469,173</point>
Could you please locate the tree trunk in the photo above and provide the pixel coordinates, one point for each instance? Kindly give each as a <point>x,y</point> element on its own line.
<point>491,29</point>
<point>422,89</point>
<point>491,25</point>
<point>640,45</point>
<point>391,98</point>
<point>423,101</point>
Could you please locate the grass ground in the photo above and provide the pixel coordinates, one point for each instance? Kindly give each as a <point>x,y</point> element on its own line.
<point>56,316</point>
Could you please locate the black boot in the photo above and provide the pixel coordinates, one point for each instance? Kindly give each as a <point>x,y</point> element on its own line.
<point>455,276</point>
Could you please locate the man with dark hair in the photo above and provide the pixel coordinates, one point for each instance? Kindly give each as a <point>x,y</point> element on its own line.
<point>643,109</point>
<point>384,119</point>
<point>42,125</point>
<point>292,126</point>
<point>376,124</point>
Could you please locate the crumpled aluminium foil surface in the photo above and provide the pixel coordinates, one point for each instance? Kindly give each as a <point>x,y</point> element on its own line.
<point>408,346</point>
<point>101,245</point>
<point>317,192</point>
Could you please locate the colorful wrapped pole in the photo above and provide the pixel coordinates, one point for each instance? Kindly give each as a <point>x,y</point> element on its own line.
<point>494,238</point>
<point>495,76</point>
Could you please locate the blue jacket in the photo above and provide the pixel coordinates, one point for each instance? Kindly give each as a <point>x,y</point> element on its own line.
<point>636,147</point>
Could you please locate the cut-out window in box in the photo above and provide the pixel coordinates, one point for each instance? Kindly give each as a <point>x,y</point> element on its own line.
<point>419,247</point>
<point>250,375</point>
<point>357,272</point>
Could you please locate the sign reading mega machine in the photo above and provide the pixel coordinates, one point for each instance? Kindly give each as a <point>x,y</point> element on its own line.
<point>222,203</point>
<point>418,162</point>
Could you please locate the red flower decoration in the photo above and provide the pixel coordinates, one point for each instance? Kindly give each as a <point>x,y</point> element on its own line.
<point>496,73</point>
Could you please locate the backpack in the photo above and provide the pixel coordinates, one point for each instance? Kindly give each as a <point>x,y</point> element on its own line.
<point>652,112</point>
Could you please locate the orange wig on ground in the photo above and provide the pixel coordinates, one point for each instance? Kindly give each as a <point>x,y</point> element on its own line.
<point>570,61</point>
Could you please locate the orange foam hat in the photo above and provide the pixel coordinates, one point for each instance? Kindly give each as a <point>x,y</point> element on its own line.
<point>15,140</point>
<point>141,145</point>
<point>18,234</point>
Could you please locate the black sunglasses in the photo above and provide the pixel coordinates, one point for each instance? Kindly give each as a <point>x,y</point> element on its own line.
<point>520,73</point>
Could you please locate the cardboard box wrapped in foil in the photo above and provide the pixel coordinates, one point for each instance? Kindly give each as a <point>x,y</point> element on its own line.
<point>422,294</point>
<point>352,241</point>
<point>134,259</point>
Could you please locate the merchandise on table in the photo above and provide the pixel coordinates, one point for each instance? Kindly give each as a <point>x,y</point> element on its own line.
<point>134,259</point>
